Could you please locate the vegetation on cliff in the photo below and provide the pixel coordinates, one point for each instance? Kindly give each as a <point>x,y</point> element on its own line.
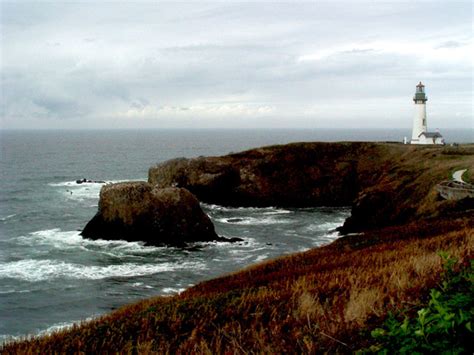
<point>326,299</point>
<point>445,325</point>
<point>386,183</point>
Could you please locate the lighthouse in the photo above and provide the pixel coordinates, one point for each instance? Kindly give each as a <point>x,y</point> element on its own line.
<point>420,134</point>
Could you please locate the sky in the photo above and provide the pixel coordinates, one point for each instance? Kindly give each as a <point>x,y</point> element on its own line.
<point>223,64</point>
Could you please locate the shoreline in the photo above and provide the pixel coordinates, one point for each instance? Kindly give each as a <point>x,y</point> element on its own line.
<point>390,243</point>
<point>67,325</point>
<point>401,181</point>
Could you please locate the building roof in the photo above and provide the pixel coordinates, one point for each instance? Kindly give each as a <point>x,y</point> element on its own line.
<point>431,134</point>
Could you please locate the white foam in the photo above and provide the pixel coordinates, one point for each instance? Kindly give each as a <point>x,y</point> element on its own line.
<point>72,239</point>
<point>261,257</point>
<point>240,209</point>
<point>57,327</point>
<point>277,212</point>
<point>54,237</point>
<point>170,290</point>
<point>141,285</point>
<point>7,217</point>
<point>248,243</point>
<point>322,226</point>
<point>6,338</point>
<point>75,184</point>
<point>244,257</point>
<point>253,220</point>
<point>64,326</point>
<point>40,270</point>
<point>327,238</point>
<point>9,291</point>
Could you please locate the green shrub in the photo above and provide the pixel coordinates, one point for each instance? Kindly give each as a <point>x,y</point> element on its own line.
<point>444,326</point>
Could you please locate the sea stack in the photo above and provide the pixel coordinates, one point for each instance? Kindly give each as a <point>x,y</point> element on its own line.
<point>139,211</point>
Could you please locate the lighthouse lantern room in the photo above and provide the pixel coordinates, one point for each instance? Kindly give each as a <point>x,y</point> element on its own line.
<point>420,134</point>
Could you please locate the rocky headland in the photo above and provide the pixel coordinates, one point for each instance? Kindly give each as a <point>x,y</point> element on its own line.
<point>385,183</point>
<point>325,300</point>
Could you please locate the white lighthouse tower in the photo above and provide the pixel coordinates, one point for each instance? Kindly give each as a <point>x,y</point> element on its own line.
<point>420,134</point>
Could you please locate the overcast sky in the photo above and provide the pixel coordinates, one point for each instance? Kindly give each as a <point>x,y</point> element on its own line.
<point>145,64</point>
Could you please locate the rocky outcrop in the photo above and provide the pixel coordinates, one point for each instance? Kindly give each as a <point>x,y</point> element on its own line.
<point>294,175</point>
<point>138,211</point>
<point>385,183</point>
<point>407,189</point>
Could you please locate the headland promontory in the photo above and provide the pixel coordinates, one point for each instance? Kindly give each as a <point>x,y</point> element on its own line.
<point>385,183</point>
<point>325,300</point>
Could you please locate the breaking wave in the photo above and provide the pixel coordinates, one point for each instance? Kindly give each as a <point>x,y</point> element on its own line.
<point>72,239</point>
<point>270,210</point>
<point>40,270</point>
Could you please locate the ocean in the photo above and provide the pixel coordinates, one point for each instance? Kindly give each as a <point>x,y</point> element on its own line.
<point>51,277</point>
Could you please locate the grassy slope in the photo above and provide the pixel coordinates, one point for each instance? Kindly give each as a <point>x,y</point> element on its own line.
<point>313,301</point>
<point>404,188</point>
<point>323,299</point>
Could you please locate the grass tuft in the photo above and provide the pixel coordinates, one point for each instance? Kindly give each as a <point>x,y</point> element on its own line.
<point>322,300</point>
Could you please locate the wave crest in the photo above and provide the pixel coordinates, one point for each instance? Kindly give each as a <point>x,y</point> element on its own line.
<point>33,270</point>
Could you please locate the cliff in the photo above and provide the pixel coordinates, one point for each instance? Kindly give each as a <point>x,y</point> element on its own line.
<point>385,183</point>
<point>325,300</point>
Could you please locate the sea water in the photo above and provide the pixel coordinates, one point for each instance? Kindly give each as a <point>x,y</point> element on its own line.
<point>50,276</point>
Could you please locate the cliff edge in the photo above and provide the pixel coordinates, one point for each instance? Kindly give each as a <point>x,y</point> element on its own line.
<point>385,183</point>
<point>325,300</point>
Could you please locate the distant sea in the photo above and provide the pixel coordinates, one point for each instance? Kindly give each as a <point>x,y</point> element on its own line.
<point>51,277</point>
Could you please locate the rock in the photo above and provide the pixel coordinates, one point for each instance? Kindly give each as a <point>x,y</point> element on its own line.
<point>84,181</point>
<point>234,220</point>
<point>137,211</point>
<point>212,179</point>
<point>370,209</point>
<point>294,175</point>
<point>385,183</point>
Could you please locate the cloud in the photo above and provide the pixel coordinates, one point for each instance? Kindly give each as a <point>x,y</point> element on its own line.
<point>450,44</point>
<point>196,111</point>
<point>142,64</point>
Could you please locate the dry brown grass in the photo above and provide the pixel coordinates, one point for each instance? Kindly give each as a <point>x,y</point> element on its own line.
<point>311,302</point>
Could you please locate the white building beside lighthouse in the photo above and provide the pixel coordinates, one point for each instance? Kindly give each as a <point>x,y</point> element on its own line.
<point>420,134</point>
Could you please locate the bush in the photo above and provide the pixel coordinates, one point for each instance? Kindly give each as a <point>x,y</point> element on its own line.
<point>445,325</point>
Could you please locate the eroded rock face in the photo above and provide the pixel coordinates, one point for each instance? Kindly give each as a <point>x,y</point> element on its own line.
<point>137,211</point>
<point>385,183</point>
<point>294,175</point>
